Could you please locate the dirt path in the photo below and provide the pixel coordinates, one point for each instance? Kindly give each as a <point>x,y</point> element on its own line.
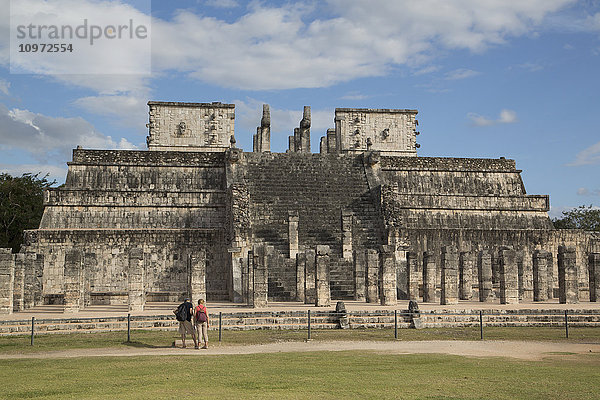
<point>488,348</point>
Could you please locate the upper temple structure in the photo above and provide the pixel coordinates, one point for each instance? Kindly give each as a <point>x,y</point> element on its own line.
<point>364,219</point>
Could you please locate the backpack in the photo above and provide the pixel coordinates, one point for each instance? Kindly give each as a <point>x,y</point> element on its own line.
<point>200,315</point>
<point>181,313</point>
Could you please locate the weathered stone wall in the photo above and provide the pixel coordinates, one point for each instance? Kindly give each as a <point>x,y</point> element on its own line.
<point>7,281</point>
<point>137,189</point>
<point>190,126</point>
<point>166,254</point>
<point>393,132</point>
<point>168,204</point>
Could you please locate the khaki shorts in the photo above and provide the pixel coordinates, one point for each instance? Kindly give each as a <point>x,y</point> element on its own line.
<point>186,327</point>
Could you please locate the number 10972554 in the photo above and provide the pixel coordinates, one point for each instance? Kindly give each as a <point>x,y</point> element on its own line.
<point>45,47</point>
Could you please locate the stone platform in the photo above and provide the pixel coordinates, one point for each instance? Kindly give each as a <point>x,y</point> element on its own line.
<point>294,316</point>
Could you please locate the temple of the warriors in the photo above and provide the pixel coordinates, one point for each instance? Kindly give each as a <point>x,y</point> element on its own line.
<point>365,218</point>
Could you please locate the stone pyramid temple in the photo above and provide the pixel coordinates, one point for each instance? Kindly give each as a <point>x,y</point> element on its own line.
<point>364,219</point>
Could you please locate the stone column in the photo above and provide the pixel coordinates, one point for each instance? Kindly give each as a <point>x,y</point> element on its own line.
<point>261,277</point>
<point>304,132</point>
<point>136,295</point>
<point>567,276</point>
<point>293,220</point>
<point>248,279</point>
<point>412,269</point>
<point>19,285</point>
<point>89,264</point>
<point>265,130</point>
<point>389,295</point>
<point>372,276</point>
<point>360,276</point>
<point>7,281</point>
<point>261,141</point>
<point>527,277</point>
<point>197,279</point>
<point>550,269</point>
<point>467,262</point>
<point>509,277</point>
<point>540,275</point>
<point>310,291</point>
<point>73,281</point>
<point>430,293</point>
<point>347,234</point>
<point>594,271</point>
<point>331,145</point>
<point>323,145</point>
<point>484,270</point>
<point>29,280</point>
<point>323,293</point>
<point>449,275</point>
<point>237,265</point>
<point>38,297</point>
<point>300,275</point>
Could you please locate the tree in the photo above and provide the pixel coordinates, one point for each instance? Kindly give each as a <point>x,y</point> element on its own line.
<point>582,217</point>
<point>21,206</point>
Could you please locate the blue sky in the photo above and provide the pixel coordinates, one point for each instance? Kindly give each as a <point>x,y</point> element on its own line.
<point>490,78</point>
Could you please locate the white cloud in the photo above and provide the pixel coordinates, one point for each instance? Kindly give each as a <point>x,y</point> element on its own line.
<point>593,21</point>
<point>116,51</point>
<point>505,117</point>
<point>129,109</point>
<point>588,156</point>
<point>55,172</point>
<point>280,48</point>
<point>354,96</point>
<point>46,137</point>
<point>222,3</point>
<point>461,73</point>
<point>556,211</point>
<point>4,86</point>
<point>426,70</point>
<point>583,191</point>
<point>530,66</point>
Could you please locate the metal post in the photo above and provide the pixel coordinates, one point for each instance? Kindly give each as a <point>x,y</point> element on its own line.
<point>220,330</point>
<point>308,324</point>
<point>395,324</point>
<point>566,325</point>
<point>128,328</point>
<point>481,324</point>
<point>32,328</point>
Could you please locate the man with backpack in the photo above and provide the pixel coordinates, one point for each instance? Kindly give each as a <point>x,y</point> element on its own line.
<point>184,314</point>
<point>201,320</point>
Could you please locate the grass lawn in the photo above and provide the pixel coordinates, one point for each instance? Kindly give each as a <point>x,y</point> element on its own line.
<point>153,339</point>
<point>329,375</point>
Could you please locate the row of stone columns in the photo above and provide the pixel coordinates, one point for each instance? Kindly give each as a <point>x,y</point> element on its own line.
<point>312,275</point>
<point>77,279</point>
<point>458,279</point>
<point>20,281</point>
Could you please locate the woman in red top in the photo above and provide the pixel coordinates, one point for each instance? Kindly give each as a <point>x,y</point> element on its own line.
<point>201,323</point>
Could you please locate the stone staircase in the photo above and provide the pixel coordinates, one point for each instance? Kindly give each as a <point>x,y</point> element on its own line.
<point>317,187</point>
<point>341,279</point>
